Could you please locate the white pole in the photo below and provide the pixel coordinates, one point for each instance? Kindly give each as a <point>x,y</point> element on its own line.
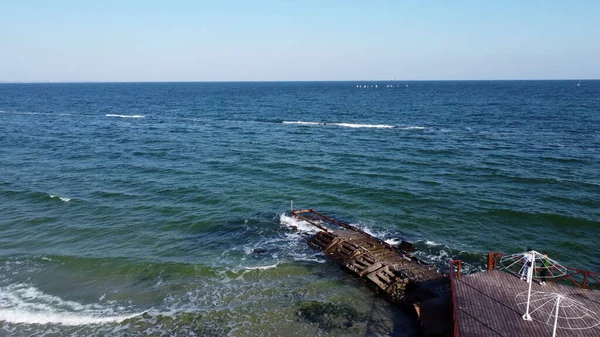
<point>292,205</point>
<point>527,317</point>
<point>556,318</point>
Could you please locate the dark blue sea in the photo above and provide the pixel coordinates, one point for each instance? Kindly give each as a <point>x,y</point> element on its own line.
<point>163,208</point>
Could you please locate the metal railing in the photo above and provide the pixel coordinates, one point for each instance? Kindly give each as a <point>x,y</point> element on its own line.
<point>579,277</point>
<point>452,276</point>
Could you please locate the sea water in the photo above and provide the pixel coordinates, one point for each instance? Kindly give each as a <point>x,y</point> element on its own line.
<point>163,208</point>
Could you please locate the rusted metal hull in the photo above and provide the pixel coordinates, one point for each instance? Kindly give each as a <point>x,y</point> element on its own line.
<point>402,277</point>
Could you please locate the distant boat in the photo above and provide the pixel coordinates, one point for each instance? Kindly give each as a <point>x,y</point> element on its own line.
<point>579,84</point>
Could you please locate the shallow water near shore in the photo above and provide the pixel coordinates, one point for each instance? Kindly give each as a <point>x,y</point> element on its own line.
<point>161,208</point>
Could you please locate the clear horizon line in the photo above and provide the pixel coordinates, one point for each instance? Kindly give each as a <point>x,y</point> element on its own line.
<point>303,81</point>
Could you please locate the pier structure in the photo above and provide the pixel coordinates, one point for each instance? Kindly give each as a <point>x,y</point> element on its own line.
<point>492,303</point>
<point>486,303</point>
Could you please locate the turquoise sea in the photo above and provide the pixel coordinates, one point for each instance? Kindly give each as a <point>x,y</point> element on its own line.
<point>163,208</point>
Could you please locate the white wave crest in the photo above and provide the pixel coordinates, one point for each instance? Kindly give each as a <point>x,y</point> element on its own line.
<point>301,123</point>
<point>61,198</point>
<point>299,225</point>
<point>309,259</point>
<point>21,303</point>
<point>375,126</point>
<point>413,128</point>
<point>262,267</point>
<point>125,116</point>
<point>347,125</point>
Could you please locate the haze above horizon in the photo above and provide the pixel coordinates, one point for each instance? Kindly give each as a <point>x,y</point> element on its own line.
<point>232,40</point>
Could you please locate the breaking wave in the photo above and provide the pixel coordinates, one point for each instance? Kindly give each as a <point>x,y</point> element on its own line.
<point>262,267</point>
<point>61,198</point>
<point>299,225</point>
<point>413,128</point>
<point>125,116</point>
<point>427,250</point>
<point>22,303</point>
<point>347,125</point>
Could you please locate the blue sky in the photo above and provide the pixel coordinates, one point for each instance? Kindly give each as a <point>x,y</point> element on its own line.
<point>286,40</point>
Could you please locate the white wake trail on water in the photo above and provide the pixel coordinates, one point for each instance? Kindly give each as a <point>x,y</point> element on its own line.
<point>22,303</point>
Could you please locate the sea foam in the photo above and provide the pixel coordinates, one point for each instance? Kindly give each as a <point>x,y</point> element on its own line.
<point>299,225</point>
<point>262,267</point>
<point>346,125</point>
<point>413,128</point>
<point>61,198</point>
<point>22,303</point>
<point>125,116</point>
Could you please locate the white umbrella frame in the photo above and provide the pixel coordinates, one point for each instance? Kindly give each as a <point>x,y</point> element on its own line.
<point>554,268</point>
<point>573,314</point>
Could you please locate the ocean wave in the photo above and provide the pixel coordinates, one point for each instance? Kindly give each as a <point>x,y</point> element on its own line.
<point>347,125</point>
<point>376,126</point>
<point>413,128</point>
<point>428,251</point>
<point>26,113</point>
<point>61,198</point>
<point>302,123</point>
<point>262,267</point>
<point>393,242</point>
<point>22,303</point>
<point>309,259</point>
<point>125,116</point>
<point>299,225</point>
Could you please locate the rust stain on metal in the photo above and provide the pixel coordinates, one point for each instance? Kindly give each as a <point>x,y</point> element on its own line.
<point>393,270</point>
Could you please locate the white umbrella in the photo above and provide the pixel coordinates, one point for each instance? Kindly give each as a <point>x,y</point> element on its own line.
<point>559,311</point>
<point>529,258</point>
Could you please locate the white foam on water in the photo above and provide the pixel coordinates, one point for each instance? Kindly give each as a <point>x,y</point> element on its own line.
<point>301,123</point>
<point>347,125</point>
<point>365,229</point>
<point>125,116</point>
<point>413,128</point>
<point>61,198</point>
<point>430,243</point>
<point>375,126</point>
<point>22,303</point>
<point>299,225</point>
<point>392,242</point>
<point>309,259</point>
<point>262,267</point>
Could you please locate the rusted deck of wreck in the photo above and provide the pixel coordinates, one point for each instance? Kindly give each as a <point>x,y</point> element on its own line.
<point>397,273</point>
<point>383,266</point>
<point>486,305</point>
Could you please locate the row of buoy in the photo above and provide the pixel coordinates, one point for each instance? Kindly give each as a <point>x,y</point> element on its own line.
<point>375,86</point>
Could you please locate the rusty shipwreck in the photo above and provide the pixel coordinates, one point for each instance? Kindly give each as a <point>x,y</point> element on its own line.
<point>392,270</point>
